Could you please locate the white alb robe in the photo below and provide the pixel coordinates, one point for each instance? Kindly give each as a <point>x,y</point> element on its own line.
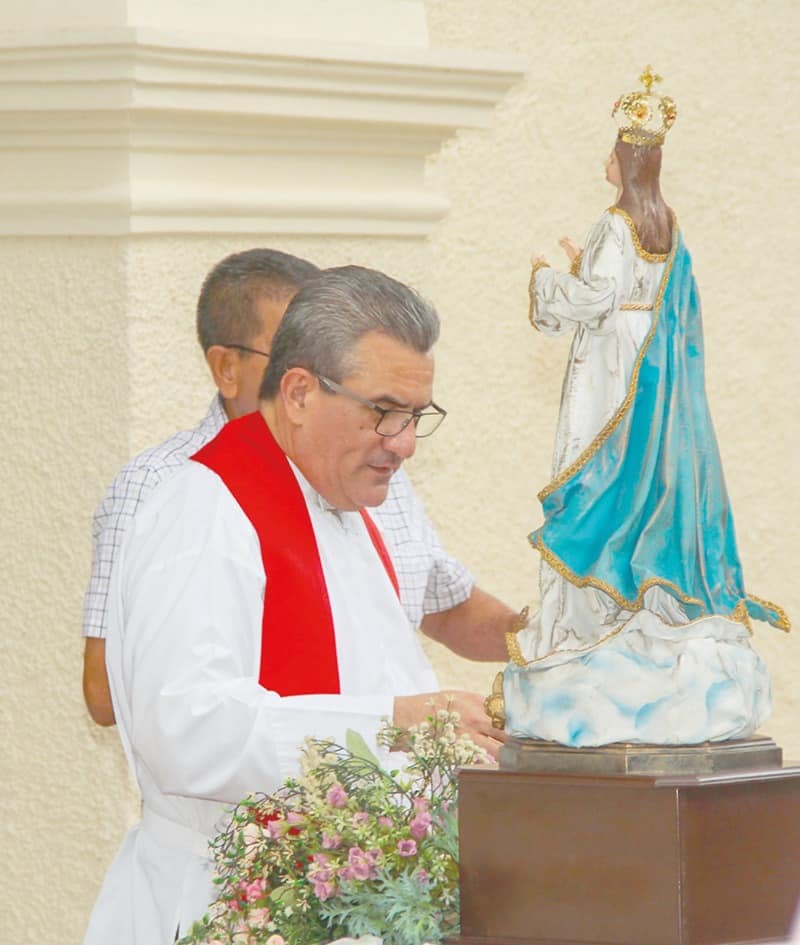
<point>183,656</point>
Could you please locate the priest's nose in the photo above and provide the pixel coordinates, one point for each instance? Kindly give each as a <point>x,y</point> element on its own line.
<point>402,444</point>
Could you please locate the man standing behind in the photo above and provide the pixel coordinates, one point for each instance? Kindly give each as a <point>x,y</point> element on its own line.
<point>240,305</point>
<point>254,604</point>
<point>239,309</point>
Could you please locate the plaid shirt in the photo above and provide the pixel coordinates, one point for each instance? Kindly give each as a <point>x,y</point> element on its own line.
<point>430,580</point>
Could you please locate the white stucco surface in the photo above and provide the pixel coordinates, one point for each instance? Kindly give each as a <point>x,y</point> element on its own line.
<point>100,361</point>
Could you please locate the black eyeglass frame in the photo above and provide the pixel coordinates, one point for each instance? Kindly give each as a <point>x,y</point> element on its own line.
<point>411,415</point>
<point>264,354</point>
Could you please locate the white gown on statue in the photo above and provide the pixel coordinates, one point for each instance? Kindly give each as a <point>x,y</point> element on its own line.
<point>587,671</point>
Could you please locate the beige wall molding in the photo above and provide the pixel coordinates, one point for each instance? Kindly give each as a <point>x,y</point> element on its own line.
<point>138,130</point>
<point>381,22</point>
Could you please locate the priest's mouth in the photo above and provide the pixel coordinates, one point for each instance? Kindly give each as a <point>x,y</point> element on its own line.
<point>387,470</point>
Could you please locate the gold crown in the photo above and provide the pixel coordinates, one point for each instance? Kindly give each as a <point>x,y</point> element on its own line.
<point>644,118</point>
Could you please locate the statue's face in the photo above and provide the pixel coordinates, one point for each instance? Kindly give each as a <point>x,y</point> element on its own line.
<point>613,173</point>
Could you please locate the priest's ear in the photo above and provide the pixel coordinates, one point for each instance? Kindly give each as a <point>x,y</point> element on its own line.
<point>298,389</point>
<point>226,366</point>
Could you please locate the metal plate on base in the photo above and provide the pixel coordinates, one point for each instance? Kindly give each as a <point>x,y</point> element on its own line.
<point>741,754</point>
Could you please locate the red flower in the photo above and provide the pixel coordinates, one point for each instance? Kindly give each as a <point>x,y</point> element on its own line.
<point>262,818</point>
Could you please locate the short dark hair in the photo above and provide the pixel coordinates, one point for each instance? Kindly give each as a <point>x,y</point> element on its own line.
<point>333,311</point>
<point>226,307</point>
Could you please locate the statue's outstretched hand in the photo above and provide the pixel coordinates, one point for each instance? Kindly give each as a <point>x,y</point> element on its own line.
<point>570,247</point>
<point>538,261</point>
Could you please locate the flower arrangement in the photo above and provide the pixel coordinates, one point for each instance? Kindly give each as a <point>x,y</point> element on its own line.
<point>348,848</point>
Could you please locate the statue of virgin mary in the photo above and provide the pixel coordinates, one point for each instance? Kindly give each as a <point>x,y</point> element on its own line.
<point>643,633</point>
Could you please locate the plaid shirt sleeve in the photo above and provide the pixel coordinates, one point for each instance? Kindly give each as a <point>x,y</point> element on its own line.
<point>430,579</point>
<point>127,492</point>
<point>111,518</point>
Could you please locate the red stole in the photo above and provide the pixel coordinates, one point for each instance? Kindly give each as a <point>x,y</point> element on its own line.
<point>298,643</point>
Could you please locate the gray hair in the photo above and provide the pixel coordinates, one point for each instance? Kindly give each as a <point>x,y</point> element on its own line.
<point>227,309</point>
<point>331,312</point>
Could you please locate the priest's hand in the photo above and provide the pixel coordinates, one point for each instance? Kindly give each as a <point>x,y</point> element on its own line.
<point>411,710</point>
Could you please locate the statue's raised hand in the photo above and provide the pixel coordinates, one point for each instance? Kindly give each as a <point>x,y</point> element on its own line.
<point>570,247</point>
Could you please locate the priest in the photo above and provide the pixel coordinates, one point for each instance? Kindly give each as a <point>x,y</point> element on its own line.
<point>254,603</point>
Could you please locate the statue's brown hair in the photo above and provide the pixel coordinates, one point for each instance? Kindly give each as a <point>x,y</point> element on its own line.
<point>640,170</point>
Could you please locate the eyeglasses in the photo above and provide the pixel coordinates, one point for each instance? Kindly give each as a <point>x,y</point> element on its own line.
<point>392,422</point>
<point>248,350</point>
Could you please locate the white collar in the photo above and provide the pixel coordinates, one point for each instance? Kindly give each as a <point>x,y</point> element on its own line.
<point>315,500</point>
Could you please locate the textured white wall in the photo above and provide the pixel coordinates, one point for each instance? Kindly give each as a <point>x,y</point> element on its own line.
<point>100,361</point>
<point>65,413</point>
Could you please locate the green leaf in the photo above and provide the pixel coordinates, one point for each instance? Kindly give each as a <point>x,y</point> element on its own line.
<point>284,895</point>
<point>357,746</point>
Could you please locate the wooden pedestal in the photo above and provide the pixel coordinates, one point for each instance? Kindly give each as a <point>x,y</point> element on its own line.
<point>560,859</point>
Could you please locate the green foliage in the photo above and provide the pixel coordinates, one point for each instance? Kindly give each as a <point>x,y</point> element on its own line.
<point>357,747</point>
<point>398,908</point>
<point>347,848</point>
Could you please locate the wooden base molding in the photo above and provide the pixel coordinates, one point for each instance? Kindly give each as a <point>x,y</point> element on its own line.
<point>571,859</point>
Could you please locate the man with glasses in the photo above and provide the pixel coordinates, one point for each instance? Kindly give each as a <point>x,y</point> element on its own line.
<point>240,305</point>
<point>254,603</point>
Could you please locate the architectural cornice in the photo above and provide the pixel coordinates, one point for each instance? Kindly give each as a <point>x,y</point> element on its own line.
<point>131,130</point>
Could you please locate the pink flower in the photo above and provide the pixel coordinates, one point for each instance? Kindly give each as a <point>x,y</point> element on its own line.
<point>276,940</point>
<point>258,918</point>
<point>322,877</point>
<point>420,803</point>
<point>323,889</point>
<point>330,841</point>
<point>422,875</point>
<point>294,818</point>
<point>252,892</point>
<point>362,865</point>
<point>336,796</point>
<point>320,873</point>
<point>275,829</point>
<point>420,825</point>
<point>386,822</point>
<point>406,847</point>
<point>361,819</point>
